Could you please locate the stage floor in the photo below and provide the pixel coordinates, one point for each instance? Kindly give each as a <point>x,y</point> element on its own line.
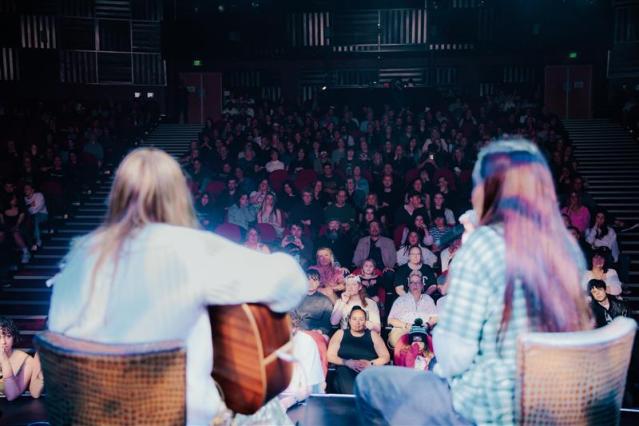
<point>319,410</point>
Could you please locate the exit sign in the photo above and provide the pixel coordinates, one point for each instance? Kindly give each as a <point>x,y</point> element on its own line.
<point>197,62</point>
<point>572,55</point>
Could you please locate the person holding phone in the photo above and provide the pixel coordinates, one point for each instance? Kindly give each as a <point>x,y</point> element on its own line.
<point>410,306</point>
<point>355,295</point>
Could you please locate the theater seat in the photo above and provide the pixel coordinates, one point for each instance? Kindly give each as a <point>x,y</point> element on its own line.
<point>268,235</point>
<point>574,378</point>
<point>90,383</point>
<point>305,179</point>
<point>229,231</point>
<point>277,178</point>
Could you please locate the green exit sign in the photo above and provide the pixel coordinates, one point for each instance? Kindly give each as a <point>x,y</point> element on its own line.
<point>197,62</point>
<point>572,55</point>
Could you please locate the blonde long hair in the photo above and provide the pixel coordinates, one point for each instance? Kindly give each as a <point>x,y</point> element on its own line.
<point>540,255</point>
<point>149,187</point>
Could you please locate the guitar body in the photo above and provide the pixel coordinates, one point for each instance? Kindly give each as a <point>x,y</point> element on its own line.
<point>245,364</point>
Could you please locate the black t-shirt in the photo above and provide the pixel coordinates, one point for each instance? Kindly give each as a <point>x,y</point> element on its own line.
<point>428,276</point>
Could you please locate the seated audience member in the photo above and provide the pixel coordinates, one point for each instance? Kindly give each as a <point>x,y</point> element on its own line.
<point>253,241</point>
<point>12,221</point>
<point>446,255</point>
<point>418,225</point>
<point>242,213</point>
<point>439,207</point>
<point>412,349</point>
<point>579,214</point>
<point>601,271</point>
<point>414,264</point>
<point>297,244</point>
<point>338,241</point>
<point>256,197</point>
<point>307,212</point>
<point>331,274</point>
<point>207,212</point>
<point>412,240</point>
<point>605,307</point>
<point>288,198</point>
<point>406,214</point>
<point>314,311</point>
<point>355,349</point>
<point>18,370</point>
<point>377,247</point>
<point>228,196</point>
<point>37,208</point>
<point>340,210</point>
<point>410,306</point>
<point>438,230</point>
<point>270,214</point>
<point>371,278</point>
<point>355,295</point>
<point>601,234</point>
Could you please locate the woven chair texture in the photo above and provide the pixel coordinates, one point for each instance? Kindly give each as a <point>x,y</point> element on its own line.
<point>574,378</point>
<point>93,384</point>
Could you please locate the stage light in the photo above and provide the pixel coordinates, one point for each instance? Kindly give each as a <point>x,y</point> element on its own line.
<point>150,95</point>
<point>324,88</point>
<point>137,95</point>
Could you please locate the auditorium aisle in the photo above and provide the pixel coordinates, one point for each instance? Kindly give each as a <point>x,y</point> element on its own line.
<point>608,158</point>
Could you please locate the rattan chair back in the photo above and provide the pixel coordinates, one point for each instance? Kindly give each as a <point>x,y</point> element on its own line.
<point>574,378</point>
<point>91,384</point>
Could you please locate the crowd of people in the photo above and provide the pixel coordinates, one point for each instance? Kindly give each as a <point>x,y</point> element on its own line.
<point>374,204</point>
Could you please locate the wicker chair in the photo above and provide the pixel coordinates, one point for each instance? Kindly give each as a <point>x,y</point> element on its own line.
<point>90,383</point>
<point>574,378</point>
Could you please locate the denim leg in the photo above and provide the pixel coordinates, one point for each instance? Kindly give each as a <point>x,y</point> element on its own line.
<point>38,219</point>
<point>398,395</point>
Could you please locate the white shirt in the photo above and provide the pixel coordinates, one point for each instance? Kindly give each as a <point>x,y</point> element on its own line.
<point>609,240</point>
<point>611,278</point>
<point>307,370</point>
<point>165,278</point>
<point>406,309</point>
<point>36,203</point>
<point>345,309</point>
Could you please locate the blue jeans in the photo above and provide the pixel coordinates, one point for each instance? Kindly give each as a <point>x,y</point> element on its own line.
<point>403,396</point>
<point>38,220</point>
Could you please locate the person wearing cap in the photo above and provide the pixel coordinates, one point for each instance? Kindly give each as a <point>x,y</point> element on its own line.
<point>412,351</point>
<point>496,275</point>
<point>410,306</point>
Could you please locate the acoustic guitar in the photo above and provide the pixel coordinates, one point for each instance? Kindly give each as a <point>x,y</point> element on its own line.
<point>247,340</point>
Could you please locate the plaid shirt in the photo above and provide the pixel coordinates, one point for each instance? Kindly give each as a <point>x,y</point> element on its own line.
<point>485,391</point>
